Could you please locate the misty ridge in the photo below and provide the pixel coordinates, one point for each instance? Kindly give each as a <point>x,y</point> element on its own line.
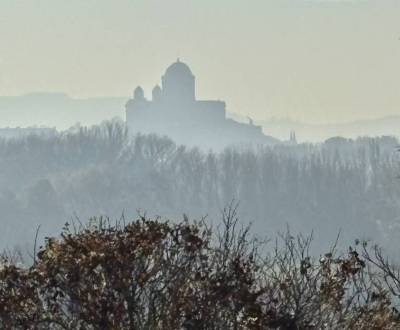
<point>346,185</point>
<point>51,111</point>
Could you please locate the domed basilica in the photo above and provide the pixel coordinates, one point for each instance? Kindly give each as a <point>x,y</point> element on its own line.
<point>175,112</point>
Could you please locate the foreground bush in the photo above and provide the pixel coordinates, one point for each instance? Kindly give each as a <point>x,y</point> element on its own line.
<point>156,275</point>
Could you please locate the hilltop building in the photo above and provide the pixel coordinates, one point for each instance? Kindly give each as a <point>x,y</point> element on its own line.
<point>174,111</point>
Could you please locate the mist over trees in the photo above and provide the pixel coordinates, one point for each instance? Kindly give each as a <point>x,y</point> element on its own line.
<point>340,184</point>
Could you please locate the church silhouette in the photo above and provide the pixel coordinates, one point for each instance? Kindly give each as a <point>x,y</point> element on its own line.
<point>175,112</point>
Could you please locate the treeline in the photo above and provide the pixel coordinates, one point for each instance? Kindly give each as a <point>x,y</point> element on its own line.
<point>149,274</point>
<point>340,184</point>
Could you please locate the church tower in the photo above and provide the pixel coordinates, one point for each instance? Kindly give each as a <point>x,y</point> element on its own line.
<point>156,94</point>
<point>293,138</point>
<point>138,94</point>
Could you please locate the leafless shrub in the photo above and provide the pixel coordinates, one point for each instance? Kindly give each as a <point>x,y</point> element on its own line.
<point>150,274</point>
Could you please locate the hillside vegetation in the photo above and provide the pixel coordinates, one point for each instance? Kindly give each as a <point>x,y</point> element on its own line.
<point>338,185</point>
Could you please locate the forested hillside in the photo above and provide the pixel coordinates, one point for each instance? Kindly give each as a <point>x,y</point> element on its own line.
<point>340,184</point>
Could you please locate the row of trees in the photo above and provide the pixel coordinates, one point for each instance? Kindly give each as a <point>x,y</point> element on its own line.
<point>340,184</point>
<point>149,274</point>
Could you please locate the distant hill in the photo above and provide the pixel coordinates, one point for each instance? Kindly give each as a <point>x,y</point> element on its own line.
<point>62,111</point>
<point>281,128</point>
<point>57,109</point>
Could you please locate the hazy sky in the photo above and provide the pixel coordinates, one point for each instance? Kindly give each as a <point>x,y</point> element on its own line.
<point>318,61</point>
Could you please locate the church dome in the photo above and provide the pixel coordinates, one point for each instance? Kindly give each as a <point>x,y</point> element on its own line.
<point>178,69</point>
<point>178,83</point>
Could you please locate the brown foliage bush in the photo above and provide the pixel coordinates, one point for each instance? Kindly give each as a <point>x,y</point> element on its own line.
<point>150,274</point>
